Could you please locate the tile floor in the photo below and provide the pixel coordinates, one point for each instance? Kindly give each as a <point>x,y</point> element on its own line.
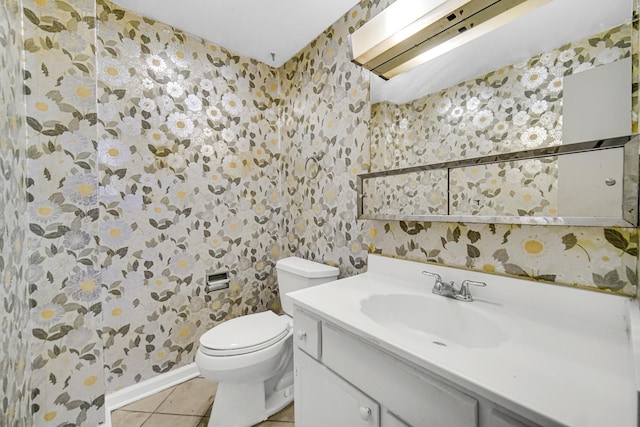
<point>185,405</point>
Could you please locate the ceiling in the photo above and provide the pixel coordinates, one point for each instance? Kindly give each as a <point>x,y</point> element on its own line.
<point>252,28</point>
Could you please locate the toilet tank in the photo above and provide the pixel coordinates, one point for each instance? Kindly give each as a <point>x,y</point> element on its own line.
<point>296,273</point>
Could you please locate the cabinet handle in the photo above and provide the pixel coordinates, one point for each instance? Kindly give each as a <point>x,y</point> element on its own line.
<point>365,413</point>
<point>302,335</point>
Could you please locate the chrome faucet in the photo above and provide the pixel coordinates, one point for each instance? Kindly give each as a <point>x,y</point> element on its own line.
<point>449,290</point>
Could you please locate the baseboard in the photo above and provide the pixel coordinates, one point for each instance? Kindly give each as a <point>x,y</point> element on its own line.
<point>146,388</point>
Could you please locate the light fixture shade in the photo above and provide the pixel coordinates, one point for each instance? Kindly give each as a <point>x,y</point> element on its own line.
<point>411,32</point>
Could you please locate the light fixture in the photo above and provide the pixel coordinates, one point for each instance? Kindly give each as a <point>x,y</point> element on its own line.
<point>411,32</point>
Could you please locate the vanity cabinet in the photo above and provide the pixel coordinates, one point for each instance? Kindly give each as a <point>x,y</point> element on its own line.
<point>342,380</point>
<point>324,399</point>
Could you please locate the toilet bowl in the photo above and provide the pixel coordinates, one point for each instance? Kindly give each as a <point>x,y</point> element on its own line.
<point>251,357</point>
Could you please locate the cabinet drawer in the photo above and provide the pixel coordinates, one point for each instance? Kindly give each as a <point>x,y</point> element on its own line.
<point>307,333</point>
<point>417,397</point>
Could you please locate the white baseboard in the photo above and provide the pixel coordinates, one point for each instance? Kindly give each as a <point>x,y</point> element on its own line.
<point>146,388</point>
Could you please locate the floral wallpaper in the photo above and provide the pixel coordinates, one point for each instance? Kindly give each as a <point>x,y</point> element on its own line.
<point>189,181</point>
<point>515,108</point>
<point>15,404</point>
<point>418,193</point>
<point>327,107</point>
<point>326,111</point>
<point>516,188</point>
<point>63,274</point>
<point>153,157</point>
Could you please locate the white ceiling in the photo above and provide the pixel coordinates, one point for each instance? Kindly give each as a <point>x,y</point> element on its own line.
<point>252,28</point>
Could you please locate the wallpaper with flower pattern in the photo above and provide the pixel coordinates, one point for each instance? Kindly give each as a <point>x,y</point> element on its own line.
<point>414,193</point>
<point>327,108</point>
<point>15,404</point>
<point>326,111</point>
<point>516,188</point>
<point>62,190</point>
<point>177,172</point>
<point>189,184</point>
<point>515,108</point>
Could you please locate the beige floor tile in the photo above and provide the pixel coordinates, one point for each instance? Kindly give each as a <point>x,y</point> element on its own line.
<point>284,415</point>
<point>121,418</point>
<point>170,420</point>
<point>204,422</point>
<point>193,397</point>
<point>149,404</point>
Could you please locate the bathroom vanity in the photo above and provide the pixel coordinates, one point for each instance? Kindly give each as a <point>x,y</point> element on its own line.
<point>380,349</point>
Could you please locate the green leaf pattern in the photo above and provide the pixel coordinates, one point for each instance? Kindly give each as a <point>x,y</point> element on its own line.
<point>15,409</point>
<point>193,161</point>
<point>518,107</point>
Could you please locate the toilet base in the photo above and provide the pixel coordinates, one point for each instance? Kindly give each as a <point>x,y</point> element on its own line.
<point>244,404</point>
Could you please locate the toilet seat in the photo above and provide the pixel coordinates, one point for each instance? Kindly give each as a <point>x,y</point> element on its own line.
<point>245,334</point>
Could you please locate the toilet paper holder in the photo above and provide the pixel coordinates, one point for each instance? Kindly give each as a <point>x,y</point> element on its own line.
<point>218,280</point>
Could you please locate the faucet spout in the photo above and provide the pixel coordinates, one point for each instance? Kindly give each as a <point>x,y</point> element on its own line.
<point>449,290</point>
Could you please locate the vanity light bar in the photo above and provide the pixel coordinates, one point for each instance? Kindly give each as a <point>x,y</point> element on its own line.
<point>394,41</point>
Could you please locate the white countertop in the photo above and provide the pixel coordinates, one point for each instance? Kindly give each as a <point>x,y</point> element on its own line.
<point>567,362</point>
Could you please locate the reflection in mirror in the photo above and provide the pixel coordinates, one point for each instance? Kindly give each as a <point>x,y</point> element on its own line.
<point>592,183</point>
<point>526,187</point>
<point>419,193</point>
<point>517,107</point>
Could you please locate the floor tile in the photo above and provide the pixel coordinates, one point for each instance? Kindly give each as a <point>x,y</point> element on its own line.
<point>193,397</point>
<point>121,418</point>
<point>204,422</point>
<point>170,420</point>
<point>284,415</point>
<point>149,404</point>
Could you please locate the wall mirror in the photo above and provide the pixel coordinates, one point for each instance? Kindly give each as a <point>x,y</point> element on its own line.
<point>507,128</point>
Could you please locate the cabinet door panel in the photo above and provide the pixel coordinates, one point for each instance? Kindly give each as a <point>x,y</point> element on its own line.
<point>500,418</point>
<point>324,399</point>
<point>390,420</point>
<point>420,399</point>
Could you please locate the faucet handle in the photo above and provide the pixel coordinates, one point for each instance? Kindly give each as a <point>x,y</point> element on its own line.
<point>437,286</point>
<point>464,294</point>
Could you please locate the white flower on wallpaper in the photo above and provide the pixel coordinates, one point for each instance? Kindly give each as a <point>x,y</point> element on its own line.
<point>534,137</point>
<point>113,153</point>
<point>187,154</point>
<point>232,103</point>
<point>81,189</point>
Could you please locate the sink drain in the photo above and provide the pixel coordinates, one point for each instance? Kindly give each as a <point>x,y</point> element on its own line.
<point>439,343</point>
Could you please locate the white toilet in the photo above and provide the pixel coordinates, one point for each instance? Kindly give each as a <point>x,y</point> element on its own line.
<point>251,357</point>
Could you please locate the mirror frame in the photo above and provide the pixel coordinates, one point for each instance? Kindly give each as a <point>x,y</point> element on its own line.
<point>629,218</point>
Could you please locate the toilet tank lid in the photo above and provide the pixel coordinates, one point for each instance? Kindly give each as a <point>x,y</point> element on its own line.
<point>306,268</point>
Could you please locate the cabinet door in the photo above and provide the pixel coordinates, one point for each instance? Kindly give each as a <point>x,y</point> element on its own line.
<point>421,400</point>
<point>324,399</point>
<point>390,420</point>
<point>499,417</point>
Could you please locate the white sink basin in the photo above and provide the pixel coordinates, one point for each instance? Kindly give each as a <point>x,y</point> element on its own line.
<point>442,320</point>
